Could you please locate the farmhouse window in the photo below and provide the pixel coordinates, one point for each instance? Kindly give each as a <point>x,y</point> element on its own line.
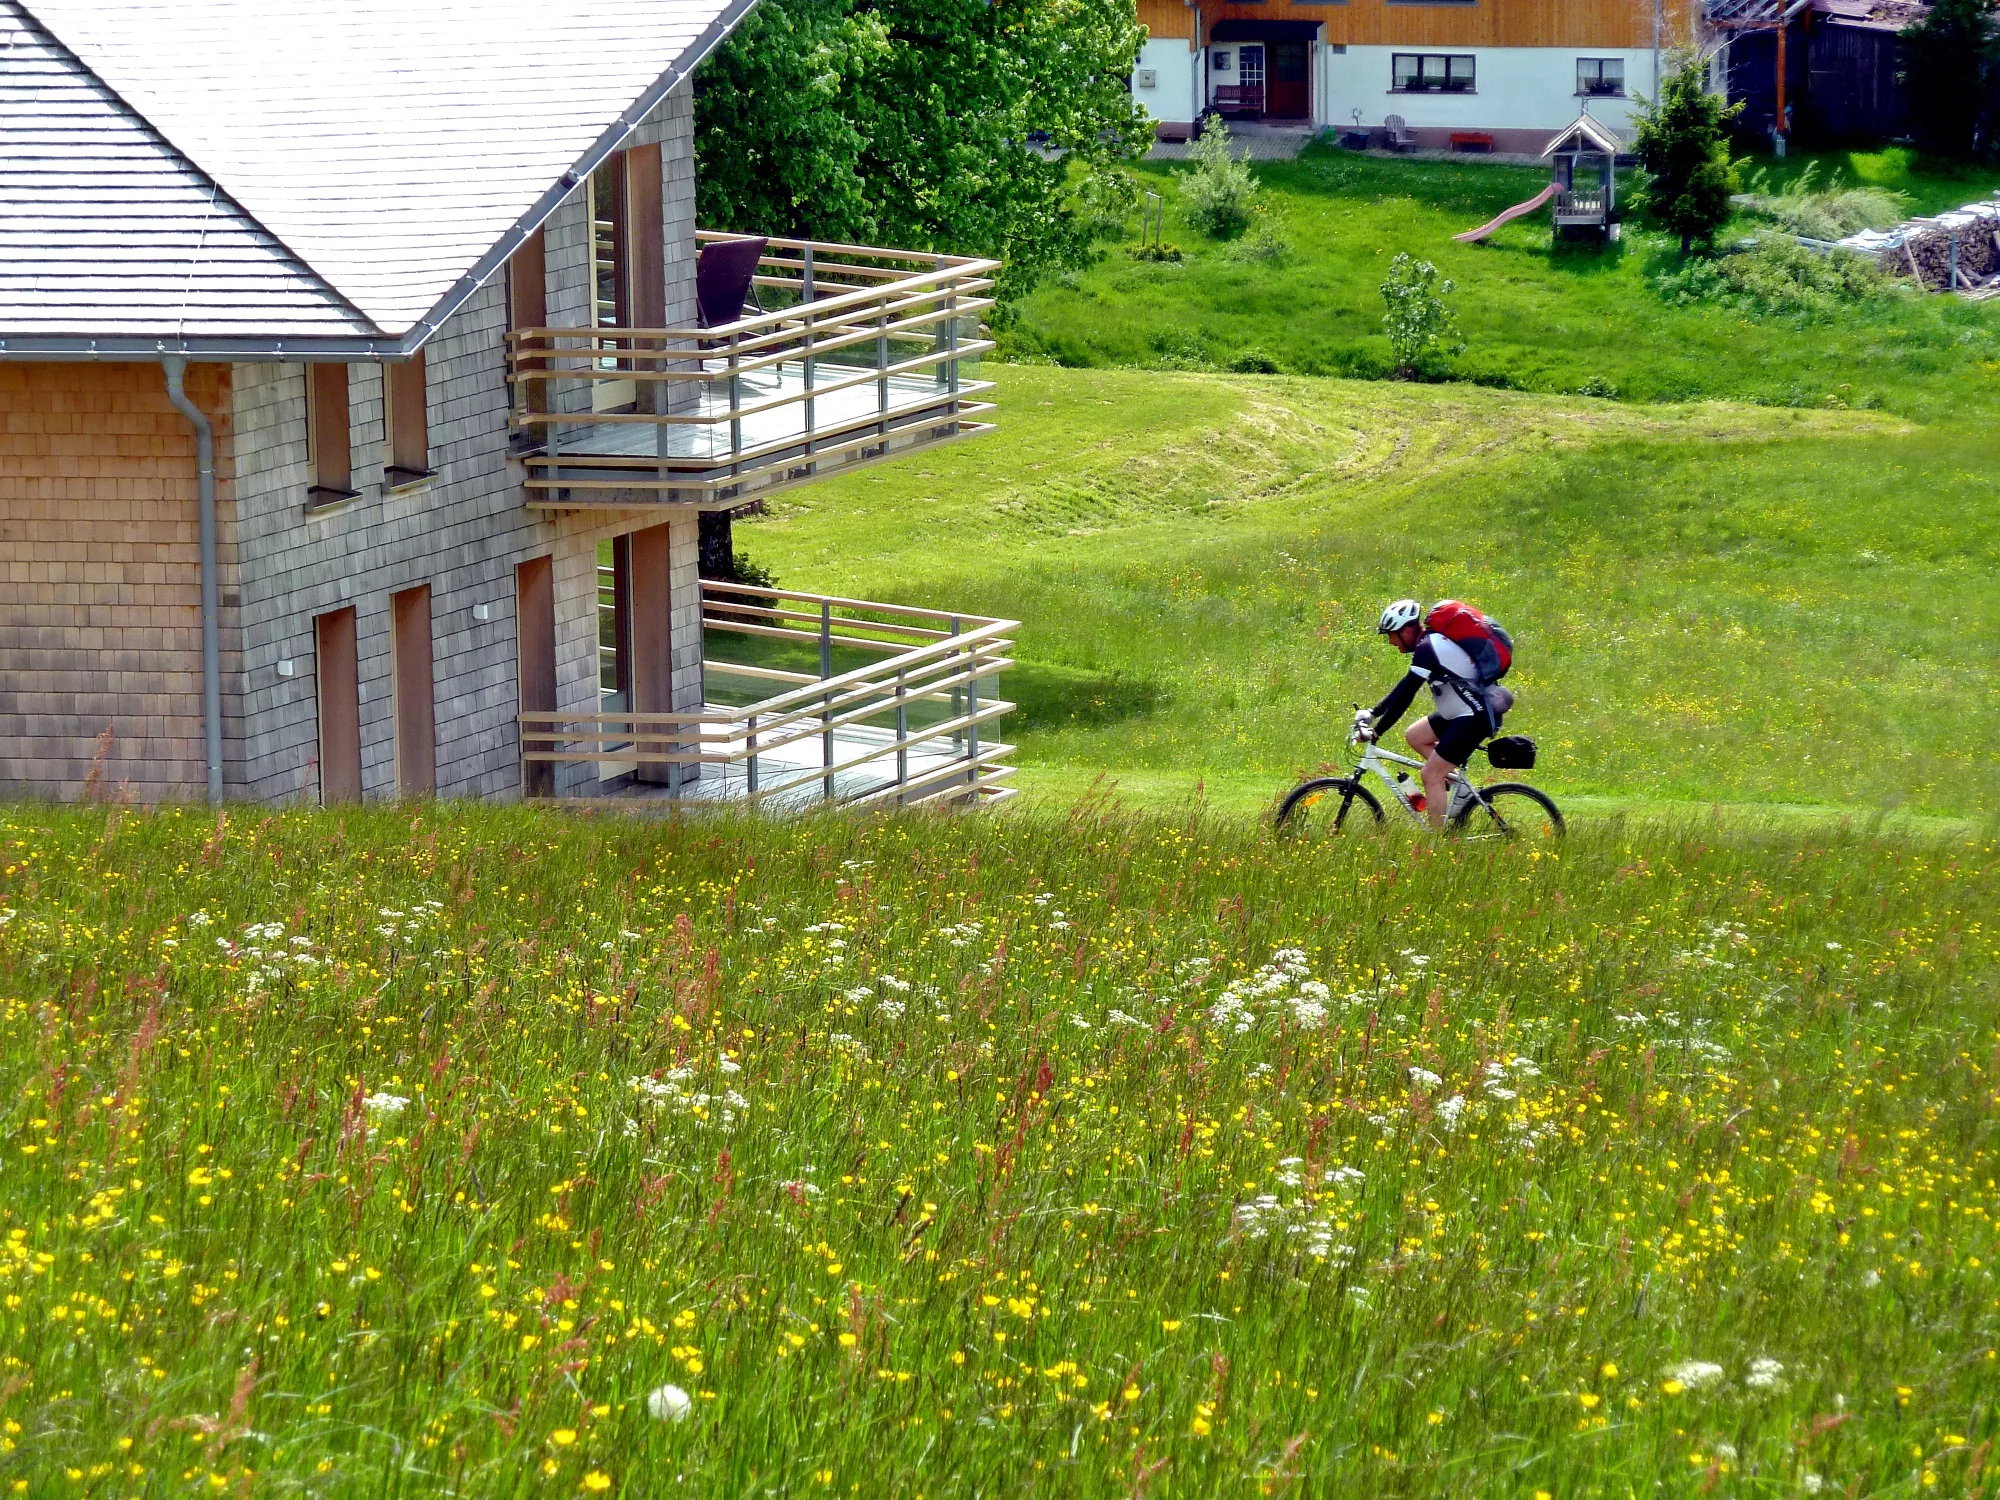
<point>331,470</point>
<point>409,421</point>
<point>1431,73</point>
<point>1600,77</point>
<point>1224,62</point>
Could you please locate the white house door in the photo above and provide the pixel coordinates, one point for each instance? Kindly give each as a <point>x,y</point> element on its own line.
<point>1250,76</point>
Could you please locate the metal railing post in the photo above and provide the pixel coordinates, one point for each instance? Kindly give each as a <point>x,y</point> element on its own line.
<point>957,700</point>
<point>811,366</point>
<point>972,729</point>
<point>826,699</point>
<point>735,406</point>
<point>882,366</point>
<point>750,739</point>
<point>902,730</point>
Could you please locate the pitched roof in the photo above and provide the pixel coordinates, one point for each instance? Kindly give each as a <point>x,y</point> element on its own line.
<point>106,230</point>
<point>385,155</point>
<point>1584,134</point>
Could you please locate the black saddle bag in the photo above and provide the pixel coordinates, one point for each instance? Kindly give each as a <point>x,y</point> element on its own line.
<point>1511,752</point>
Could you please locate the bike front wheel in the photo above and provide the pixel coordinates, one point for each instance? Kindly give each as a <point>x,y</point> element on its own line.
<point>1321,806</point>
<point>1512,810</point>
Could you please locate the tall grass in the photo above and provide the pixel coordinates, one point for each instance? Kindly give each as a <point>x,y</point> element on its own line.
<point>412,1151</point>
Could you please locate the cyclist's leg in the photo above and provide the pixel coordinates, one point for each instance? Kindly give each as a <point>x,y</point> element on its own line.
<point>1453,741</point>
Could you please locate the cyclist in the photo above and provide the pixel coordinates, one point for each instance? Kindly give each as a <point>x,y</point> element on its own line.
<point>1463,713</point>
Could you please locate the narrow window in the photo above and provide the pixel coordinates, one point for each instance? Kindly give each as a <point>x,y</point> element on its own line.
<point>535,650</point>
<point>330,462</point>
<point>528,308</point>
<point>416,720</point>
<point>339,675</point>
<point>409,421</point>
<point>1600,76</point>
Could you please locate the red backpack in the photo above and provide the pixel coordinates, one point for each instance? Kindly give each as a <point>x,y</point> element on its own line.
<point>1489,646</point>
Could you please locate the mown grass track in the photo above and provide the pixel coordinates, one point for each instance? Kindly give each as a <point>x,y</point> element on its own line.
<point>408,1151</point>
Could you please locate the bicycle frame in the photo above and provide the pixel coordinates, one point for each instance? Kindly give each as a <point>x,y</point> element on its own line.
<point>1375,758</point>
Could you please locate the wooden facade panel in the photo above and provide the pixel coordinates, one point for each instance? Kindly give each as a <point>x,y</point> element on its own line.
<point>339,663</point>
<point>415,701</point>
<point>1171,18</point>
<point>1484,23</point>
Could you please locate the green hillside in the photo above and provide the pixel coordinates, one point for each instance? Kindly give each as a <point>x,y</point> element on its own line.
<point>1713,603</point>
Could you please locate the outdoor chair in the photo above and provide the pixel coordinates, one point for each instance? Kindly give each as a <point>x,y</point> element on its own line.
<point>723,279</point>
<point>1401,137</point>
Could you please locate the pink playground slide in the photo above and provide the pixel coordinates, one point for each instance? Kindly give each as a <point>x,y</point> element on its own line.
<point>1508,217</point>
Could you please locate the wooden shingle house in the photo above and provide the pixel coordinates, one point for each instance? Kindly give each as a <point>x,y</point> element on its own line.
<point>363,376</point>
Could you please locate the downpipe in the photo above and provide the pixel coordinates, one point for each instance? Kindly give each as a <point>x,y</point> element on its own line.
<point>211,618</point>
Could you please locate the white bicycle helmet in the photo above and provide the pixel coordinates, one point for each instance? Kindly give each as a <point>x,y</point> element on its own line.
<point>1396,616</point>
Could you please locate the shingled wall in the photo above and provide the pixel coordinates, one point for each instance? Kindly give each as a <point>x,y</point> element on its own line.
<point>100,578</point>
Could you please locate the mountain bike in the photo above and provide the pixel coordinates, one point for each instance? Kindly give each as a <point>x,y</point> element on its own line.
<point>1322,805</point>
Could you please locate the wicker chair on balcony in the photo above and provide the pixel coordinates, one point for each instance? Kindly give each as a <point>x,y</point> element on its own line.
<point>724,279</point>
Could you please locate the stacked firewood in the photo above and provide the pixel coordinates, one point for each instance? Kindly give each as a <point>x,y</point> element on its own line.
<point>1926,250</point>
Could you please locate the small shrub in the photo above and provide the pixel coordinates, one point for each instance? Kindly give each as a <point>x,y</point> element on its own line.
<point>1165,252</point>
<point>1216,196</point>
<point>1177,349</point>
<point>747,570</point>
<point>1777,278</point>
<point>1599,387</point>
<point>1104,202</point>
<point>1253,362</point>
<point>1421,328</point>
<point>1263,244</point>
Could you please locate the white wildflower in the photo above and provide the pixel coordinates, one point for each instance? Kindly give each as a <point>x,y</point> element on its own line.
<point>199,919</point>
<point>889,1010</point>
<point>1449,1110</point>
<point>1765,1374</point>
<point>1423,1078</point>
<point>1696,1373</point>
<point>380,1103</point>
<point>669,1404</point>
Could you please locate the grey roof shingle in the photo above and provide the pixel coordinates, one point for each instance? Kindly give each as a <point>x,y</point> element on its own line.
<point>105,230</point>
<point>369,162</point>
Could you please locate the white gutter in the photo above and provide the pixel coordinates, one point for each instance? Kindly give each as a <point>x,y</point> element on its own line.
<point>211,623</point>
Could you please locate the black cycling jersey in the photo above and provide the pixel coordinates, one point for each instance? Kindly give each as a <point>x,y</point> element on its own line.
<point>1450,682</point>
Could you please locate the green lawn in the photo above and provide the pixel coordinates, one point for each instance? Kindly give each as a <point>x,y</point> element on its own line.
<point>453,1150</point>
<point>1535,319</point>
<point>1712,604</point>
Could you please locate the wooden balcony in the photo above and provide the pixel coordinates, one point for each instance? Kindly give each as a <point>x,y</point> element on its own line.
<point>864,354</point>
<point>809,699</point>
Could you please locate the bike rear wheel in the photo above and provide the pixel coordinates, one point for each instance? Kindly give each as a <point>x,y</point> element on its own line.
<point>1513,810</point>
<point>1321,806</point>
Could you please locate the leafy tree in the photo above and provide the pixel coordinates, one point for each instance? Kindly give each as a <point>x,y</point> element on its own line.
<point>1216,195</point>
<point>1951,66</point>
<point>953,125</point>
<point>1683,147</point>
<point>1420,327</point>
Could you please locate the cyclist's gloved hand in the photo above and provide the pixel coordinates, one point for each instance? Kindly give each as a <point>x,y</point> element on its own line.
<point>1364,724</point>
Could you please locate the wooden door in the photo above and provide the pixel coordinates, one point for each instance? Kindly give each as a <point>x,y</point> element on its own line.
<point>535,653</point>
<point>1288,83</point>
<point>339,671</point>
<point>652,632</point>
<point>528,307</point>
<point>416,715</point>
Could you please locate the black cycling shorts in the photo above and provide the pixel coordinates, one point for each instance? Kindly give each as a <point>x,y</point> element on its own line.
<point>1458,738</point>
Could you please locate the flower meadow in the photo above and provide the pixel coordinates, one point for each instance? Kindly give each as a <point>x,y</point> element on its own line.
<point>499,1152</point>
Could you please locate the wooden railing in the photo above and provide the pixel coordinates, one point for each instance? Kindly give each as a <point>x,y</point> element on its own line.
<point>861,354</point>
<point>911,723</point>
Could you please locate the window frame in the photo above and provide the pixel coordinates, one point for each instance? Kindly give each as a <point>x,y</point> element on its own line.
<point>1600,92</point>
<point>406,422</point>
<point>1445,85</point>
<point>329,436</point>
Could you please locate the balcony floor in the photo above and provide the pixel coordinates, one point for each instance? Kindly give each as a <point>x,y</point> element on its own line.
<point>799,761</point>
<point>854,406</point>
